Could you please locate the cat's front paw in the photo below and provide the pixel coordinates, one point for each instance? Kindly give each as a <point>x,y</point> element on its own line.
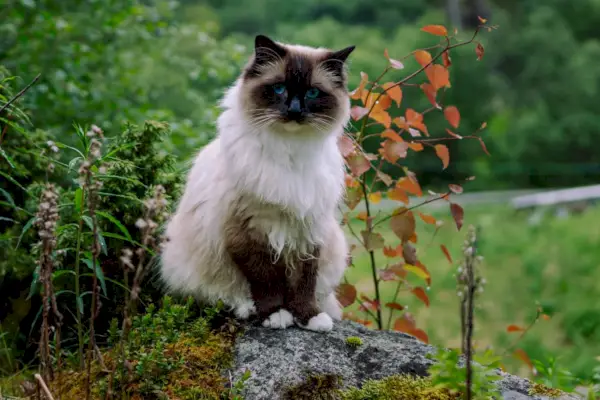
<point>321,322</point>
<point>280,319</point>
<point>244,310</point>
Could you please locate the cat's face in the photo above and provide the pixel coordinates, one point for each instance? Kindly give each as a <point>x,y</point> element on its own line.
<point>292,88</point>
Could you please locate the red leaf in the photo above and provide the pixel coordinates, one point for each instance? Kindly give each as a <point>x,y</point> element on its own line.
<point>452,116</point>
<point>483,146</point>
<point>546,317</point>
<point>455,188</point>
<point>438,30</point>
<point>387,275</point>
<point>446,253</point>
<point>403,223</point>
<point>420,334</point>
<point>394,306</point>
<point>394,63</point>
<point>453,134</point>
<point>345,145</point>
<point>431,94</point>
<point>421,295</point>
<point>514,328</point>
<point>358,164</point>
<point>442,152</point>
<point>404,324</point>
<point>479,50</point>
<point>346,294</point>
<point>390,252</point>
<point>358,112</point>
<point>458,214</point>
<point>423,57</point>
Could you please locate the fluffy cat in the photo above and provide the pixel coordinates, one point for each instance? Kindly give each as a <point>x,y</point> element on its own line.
<point>256,226</point>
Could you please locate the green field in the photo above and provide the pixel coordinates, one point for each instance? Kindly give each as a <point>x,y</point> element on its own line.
<point>555,262</point>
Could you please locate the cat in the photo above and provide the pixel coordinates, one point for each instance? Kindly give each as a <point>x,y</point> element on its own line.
<point>256,226</point>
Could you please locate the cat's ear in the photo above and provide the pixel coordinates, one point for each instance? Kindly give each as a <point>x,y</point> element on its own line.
<point>265,51</point>
<point>336,60</point>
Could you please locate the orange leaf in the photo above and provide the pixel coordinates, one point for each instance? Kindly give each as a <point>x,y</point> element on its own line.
<point>423,57</point>
<point>479,50</point>
<point>446,58</point>
<point>438,76</point>
<point>346,294</point>
<point>394,306</point>
<point>345,145</point>
<point>398,269</point>
<point>452,116</point>
<point>546,317</point>
<point>362,216</point>
<point>398,194</point>
<point>403,223</point>
<point>415,146</point>
<point>391,134</point>
<point>431,94</point>
<point>428,219</point>
<point>522,355</point>
<point>381,116</point>
<point>394,63</point>
<point>413,237</point>
<point>358,164</point>
<point>455,188</point>
<point>393,91</point>
<point>410,185</point>
<point>372,240</point>
<point>350,181</point>
<point>353,197</point>
<point>392,151</point>
<point>390,252</point>
<point>442,152</point>
<point>458,214</point>
<point>358,112</point>
<point>404,325</point>
<point>438,30</point>
<point>374,197</point>
<point>514,328</point>
<point>446,253</point>
<point>482,20</point>
<point>421,295</point>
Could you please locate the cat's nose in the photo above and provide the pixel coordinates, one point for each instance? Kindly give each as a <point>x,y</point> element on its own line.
<point>294,110</point>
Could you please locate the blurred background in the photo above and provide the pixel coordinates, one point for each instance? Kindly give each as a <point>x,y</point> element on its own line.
<point>108,61</point>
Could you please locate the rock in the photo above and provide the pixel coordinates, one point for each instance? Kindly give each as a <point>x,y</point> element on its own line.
<point>278,359</point>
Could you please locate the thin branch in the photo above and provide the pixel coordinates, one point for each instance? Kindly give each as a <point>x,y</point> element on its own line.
<point>21,93</point>
<point>44,387</point>
<point>413,207</point>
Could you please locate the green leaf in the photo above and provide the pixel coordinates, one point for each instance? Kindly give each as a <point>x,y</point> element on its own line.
<point>78,200</point>
<point>90,224</point>
<point>80,304</point>
<point>61,272</point>
<point>11,179</point>
<point>115,221</point>
<point>8,197</point>
<point>34,282</point>
<point>24,230</point>
<point>99,273</point>
<point>7,158</point>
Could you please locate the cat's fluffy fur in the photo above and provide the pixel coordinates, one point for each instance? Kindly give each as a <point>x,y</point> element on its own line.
<point>289,176</point>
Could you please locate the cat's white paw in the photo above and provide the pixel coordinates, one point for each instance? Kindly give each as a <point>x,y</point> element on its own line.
<point>321,322</point>
<point>332,307</point>
<point>244,310</point>
<point>280,319</point>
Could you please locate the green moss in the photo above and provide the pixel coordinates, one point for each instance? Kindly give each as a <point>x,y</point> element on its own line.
<point>354,341</point>
<point>398,387</point>
<point>539,389</point>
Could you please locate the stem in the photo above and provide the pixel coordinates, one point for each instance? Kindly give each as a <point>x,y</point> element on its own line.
<point>389,323</point>
<point>413,207</point>
<point>78,289</point>
<point>372,257</point>
<point>26,88</point>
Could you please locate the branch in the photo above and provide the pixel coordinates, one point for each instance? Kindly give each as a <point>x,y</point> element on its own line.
<point>26,88</point>
<point>44,387</point>
<point>413,207</point>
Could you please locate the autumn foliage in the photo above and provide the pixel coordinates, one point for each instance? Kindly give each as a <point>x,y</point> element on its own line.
<point>402,130</point>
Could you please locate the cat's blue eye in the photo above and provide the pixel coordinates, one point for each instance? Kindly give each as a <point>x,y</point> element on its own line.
<point>312,93</point>
<point>279,88</point>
